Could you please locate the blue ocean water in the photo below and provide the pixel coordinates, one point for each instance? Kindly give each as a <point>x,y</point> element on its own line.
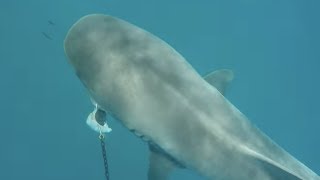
<point>273,47</point>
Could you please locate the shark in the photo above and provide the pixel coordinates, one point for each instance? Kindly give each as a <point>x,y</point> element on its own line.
<point>187,122</point>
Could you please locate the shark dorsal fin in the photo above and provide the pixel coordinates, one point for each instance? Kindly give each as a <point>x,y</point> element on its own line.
<point>220,79</point>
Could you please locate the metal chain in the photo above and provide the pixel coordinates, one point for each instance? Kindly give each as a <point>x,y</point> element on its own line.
<point>104,155</point>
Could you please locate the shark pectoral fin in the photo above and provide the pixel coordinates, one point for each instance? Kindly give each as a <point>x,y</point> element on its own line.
<point>220,79</point>
<point>159,166</point>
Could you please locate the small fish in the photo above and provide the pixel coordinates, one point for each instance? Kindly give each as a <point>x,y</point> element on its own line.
<point>51,23</point>
<point>46,36</point>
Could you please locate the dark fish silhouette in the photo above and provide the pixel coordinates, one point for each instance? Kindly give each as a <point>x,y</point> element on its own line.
<point>46,35</point>
<point>51,23</point>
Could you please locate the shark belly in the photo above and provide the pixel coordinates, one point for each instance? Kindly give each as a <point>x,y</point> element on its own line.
<point>153,91</point>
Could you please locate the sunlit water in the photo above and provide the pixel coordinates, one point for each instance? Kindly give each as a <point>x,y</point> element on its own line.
<point>272,47</point>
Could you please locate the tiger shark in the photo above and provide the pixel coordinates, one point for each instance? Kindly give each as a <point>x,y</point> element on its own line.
<point>153,91</point>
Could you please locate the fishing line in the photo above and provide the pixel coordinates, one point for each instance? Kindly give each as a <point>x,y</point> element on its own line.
<point>104,155</point>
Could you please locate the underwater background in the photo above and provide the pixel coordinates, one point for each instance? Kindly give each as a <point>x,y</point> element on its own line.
<point>273,47</point>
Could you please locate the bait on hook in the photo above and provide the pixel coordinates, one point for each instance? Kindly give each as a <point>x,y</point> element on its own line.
<point>98,122</point>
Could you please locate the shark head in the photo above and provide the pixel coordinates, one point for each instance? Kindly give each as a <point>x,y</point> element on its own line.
<point>83,47</point>
<point>89,47</point>
<point>115,61</point>
<point>103,52</point>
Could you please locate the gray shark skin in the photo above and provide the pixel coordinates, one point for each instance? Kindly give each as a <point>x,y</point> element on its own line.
<point>153,91</point>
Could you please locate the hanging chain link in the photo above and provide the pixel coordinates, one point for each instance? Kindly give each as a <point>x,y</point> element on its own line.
<point>104,155</point>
